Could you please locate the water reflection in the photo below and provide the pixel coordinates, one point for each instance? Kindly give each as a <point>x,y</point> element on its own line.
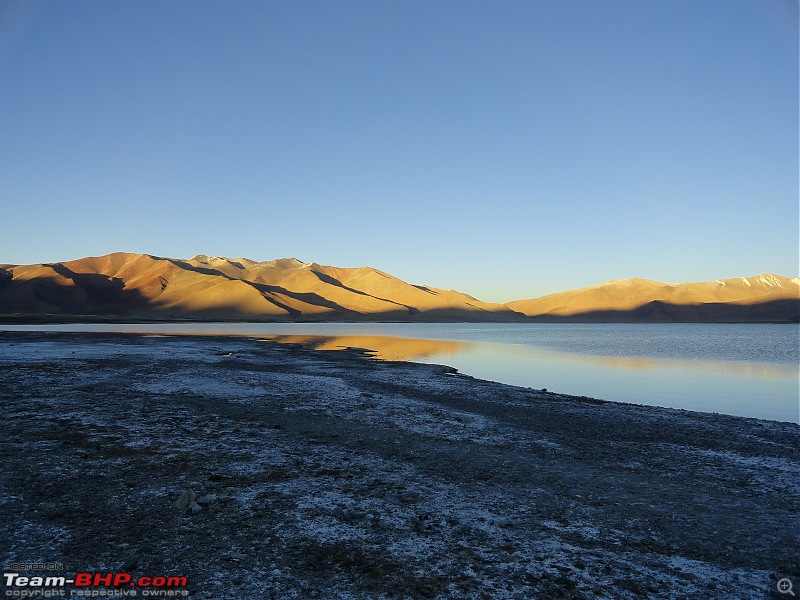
<point>746,370</point>
<point>400,348</point>
<point>383,347</point>
<point>752,369</point>
<point>760,390</point>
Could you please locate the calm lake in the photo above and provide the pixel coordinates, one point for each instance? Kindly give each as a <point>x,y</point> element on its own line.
<point>748,370</point>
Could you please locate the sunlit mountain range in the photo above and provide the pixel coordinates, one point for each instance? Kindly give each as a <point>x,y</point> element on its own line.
<point>141,286</point>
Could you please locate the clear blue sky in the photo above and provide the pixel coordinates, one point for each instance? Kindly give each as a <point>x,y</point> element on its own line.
<point>506,149</point>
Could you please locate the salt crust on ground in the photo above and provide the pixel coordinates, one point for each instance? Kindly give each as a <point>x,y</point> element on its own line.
<point>345,477</point>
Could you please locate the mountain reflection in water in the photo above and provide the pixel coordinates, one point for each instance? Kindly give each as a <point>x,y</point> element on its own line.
<point>745,388</point>
<point>398,348</point>
<point>379,346</point>
<point>749,370</point>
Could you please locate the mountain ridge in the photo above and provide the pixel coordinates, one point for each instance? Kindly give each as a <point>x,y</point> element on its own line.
<point>630,294</point>
<point>129,285</point>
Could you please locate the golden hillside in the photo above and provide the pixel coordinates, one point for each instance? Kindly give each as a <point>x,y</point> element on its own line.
<point>134,286</point>
<point>632,295</point>
<point>215,287</point>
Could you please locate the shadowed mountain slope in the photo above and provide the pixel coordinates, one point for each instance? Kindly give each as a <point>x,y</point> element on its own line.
<point>760,298</point>
<point>144,286</point>
<point>141,285</point>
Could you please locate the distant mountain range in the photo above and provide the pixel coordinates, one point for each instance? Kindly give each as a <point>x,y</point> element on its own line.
<point>141,286</point>
<point>760,298</point>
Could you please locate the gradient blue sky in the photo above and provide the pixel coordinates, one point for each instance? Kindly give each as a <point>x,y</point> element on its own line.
<point>505,149</point>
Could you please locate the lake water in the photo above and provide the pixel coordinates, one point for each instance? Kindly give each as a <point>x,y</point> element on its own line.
<point>744,369</point>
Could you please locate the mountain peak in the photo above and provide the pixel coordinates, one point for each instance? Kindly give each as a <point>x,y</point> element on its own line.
<point>204,259</point>
<point>283,263</point>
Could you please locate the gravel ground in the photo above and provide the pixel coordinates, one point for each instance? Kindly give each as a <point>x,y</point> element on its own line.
<point>260,470</point>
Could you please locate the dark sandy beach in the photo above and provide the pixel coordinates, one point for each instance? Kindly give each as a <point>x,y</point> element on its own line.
<point>334,475</point>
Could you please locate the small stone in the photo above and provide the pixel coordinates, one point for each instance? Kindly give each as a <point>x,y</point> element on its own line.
<point>194,507</point>
<point>185,499</point>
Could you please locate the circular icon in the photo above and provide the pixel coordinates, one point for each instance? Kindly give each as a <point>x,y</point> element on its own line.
<point>785,586</point>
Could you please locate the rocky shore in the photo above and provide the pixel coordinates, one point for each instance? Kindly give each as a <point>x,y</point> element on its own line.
<point>261,470</point>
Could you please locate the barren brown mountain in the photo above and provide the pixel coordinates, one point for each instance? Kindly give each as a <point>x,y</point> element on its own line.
<point>760,298</point>
<point>132,286</point>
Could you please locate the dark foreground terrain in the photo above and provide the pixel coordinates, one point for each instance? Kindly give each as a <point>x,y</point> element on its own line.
<point>332,475</point>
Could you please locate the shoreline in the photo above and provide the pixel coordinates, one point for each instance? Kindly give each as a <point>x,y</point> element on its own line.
<point>60,319</point>
<point>625,369</point>
<point>343,474</point>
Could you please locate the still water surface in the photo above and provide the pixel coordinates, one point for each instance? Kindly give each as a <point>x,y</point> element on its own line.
<point>744,369</point>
